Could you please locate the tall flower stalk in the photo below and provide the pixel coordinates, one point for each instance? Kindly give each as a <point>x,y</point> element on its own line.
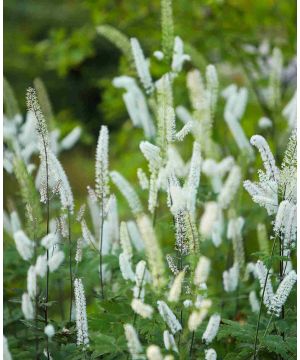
<point>42,131</point>
<point>102,190</point>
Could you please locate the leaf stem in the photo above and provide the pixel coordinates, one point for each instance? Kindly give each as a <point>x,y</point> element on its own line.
<point>70,264</point>
<point>100,252</point>
<point>261,302</point>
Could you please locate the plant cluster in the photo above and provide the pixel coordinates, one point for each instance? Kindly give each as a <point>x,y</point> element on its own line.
<point>128,292</point>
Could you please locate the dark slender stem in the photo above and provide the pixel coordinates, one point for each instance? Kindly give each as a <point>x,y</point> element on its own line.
<point>261,302</point>
<point>47,232</point>
<point>139,293</point>
<point>281,278</point>
<point>70,264</point>
<point>192,343</point>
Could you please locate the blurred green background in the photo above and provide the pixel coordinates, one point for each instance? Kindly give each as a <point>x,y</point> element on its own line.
<point>57,41</point>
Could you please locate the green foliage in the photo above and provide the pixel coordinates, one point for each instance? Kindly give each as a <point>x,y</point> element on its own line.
<point>10,102</point>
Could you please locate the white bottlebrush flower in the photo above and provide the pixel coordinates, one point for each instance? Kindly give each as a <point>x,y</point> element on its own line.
<point>78,254</point>
<point>187,303</point>
<point>27,307</point>
<point>141,277</point>
<point>143,179</point>
<point>15,222</point>
<point>197,91</point>
<point>262,273</point>
<point>102,174</point>
<point>197,316</point>
<point>171,263</point>
<point>71,139</point>
<point>286,223</point>
<point>254,303</point>
<point>133,343</point>
<point>56,260</point>
<point>169,341</point>
<point>266,155</point>
<point>265,123</point>
<point>7,224</point>
<point>60,178</point>
<point>49,330</point>
<point>135,236</point>
<point>209,218</point>
<point>169,317</point>
<point>193,179</point>
<point>141,308</point>
<point>234,232</point>
<point>136,105</point>
<point>86,234</point>
<point>153,251</point>
<point>49,240</point>
<point>274,89</point>
<point>31,282</point>
<point>154,353</point>
<point>152,154</point>
<point>264,193</point>
<point>6,352</point>
<point>230,187</point>
<point>125,240</point>
<point>126,267</point>
<point>24,245</point>
<point>128,192</point>
<point>283,292</point>
<point>41,265</point>
<point>165,112</point>
<point>178,55</point>
<point>290,111</point>
<point>158,54</point>
<point>210,354</point>
<point>211,329</point>
<point>234,110</point>
<point>212,84</point>
<point>231,278</point>
<point>81,317</point>
<point>202,271</point>
<point>185,130</point>
<point>175,291</point>
<point>141,65</point>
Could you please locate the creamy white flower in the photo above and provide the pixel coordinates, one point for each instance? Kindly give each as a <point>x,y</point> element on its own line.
<point>142,309</point>
<point>231,278</point>
<point>202,271</point>
<point>283,292</point>
<point>41,265</point>
<point>6,352</point>
<point>31,282</point>
<point>169,341</point>
<point>154,353</point>
<point>126,267</point>
<point>27,307</point>
<point>81,317</point>
<point>175,291</point>
<point>24,245</point>
<point>253,301</point>
<point>212,328</point>
<point>265,283</point>
<point>49,240</point>
<point>49,330</point>
<point>197,316</point>
<point>169,317</point>
<point>134,346</point>
<point>210,354</point>
<point>56,260</point>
